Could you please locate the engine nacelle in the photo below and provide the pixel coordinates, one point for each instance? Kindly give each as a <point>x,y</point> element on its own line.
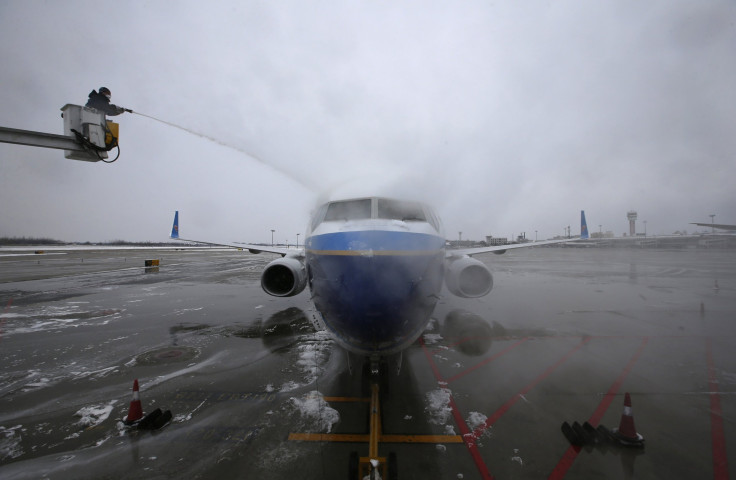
<point>284,277</point>
<point>468,278</point>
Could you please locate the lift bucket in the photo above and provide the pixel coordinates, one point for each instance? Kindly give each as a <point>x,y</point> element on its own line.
<point>88,122</point>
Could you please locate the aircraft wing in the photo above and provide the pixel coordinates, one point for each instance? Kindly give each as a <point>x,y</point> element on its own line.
<point>502,248</point>
<point>292,252</point>
<point>720,226</point>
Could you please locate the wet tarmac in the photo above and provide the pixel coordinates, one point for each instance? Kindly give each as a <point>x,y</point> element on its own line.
<point>483,394</point>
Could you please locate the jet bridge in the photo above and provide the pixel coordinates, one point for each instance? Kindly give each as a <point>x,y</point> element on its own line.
<point>88,136</point>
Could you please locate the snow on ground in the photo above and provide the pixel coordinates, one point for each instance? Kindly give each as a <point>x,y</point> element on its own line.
<point>317,413</point>
<point>289,386</point>
<point>94,415</point>
<point>54,318</point>
<point>432,338</point>
<point>10,442</point>
<point>313,355</point>
<point>475,420</point>
<point>313,352</point>
<point>187,416</point>
<point>438,408</point>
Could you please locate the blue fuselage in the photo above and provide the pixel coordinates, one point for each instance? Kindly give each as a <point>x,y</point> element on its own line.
<point>375,283</point>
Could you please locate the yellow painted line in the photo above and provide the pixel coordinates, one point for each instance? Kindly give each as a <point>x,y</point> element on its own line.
<point>375,253</point>
<point>358,438</point>
<point>421,439</point>
<point>328,437</point>
<point>347,399</point>
<point>375,422</point>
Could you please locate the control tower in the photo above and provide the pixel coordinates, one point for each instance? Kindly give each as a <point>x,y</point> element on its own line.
<point>631,215</point>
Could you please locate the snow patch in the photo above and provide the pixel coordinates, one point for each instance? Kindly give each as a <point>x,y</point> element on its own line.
<point>432,338</point>
<point>517,458</point>
<point>313,408</point>
<point>313,355</point>
<point>185,418</point>
<point>475,420</point>
<point>289,386</point>
<point>438,405</point>
<point>94,374</point>
<point>94,415</point>
<point>10,442</point>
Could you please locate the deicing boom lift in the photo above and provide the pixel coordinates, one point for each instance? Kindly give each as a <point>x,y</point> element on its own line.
<point>88,136</point>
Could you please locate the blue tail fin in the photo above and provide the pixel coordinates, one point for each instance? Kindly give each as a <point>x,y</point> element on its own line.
<point>175,227</point>
<point>583,225</point>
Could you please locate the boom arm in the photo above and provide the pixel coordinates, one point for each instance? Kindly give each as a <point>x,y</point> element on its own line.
<point>38,139</point>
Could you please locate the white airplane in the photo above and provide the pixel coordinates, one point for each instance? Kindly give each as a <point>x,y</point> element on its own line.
<point>375,268</point>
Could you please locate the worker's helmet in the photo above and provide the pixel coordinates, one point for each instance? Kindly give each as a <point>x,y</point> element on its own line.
<point>105,91</point>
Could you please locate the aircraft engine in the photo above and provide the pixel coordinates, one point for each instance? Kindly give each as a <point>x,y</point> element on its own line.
<point>468,278</point>
<point>284,277</point>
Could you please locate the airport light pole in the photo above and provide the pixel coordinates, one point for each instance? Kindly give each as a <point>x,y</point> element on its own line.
<point>535,235</point>
<point>297,240</point>
<point>712,228</point>
<point>272,237</point>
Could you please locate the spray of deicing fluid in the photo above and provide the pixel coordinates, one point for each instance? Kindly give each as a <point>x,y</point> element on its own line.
<point>289,174</point>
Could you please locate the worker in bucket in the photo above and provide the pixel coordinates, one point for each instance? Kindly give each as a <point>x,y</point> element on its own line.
<point>101,101</point>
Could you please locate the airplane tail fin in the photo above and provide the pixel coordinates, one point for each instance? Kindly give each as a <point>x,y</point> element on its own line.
<point>175,227</point>
<point>583,225</point>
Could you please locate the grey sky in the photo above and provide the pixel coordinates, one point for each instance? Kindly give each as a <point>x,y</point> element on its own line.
<point>506,116</point>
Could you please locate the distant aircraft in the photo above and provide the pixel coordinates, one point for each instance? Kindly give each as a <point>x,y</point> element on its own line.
<point>375,268</point>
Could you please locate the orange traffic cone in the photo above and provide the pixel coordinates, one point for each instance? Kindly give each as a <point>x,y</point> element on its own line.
<point>135,412</point>
<point>626,432</point>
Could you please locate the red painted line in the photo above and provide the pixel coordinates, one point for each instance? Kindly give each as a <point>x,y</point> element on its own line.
<point>488,360</point>
<point>470,441</point>
<point>464,430</point>
<point>506,406</point>
<point>717,436</point>
<point>572,452</point>
<point>611,394</point>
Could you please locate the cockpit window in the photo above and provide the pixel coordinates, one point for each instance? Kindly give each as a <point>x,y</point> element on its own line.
<point>398,210</point>
<point>349,210</point>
